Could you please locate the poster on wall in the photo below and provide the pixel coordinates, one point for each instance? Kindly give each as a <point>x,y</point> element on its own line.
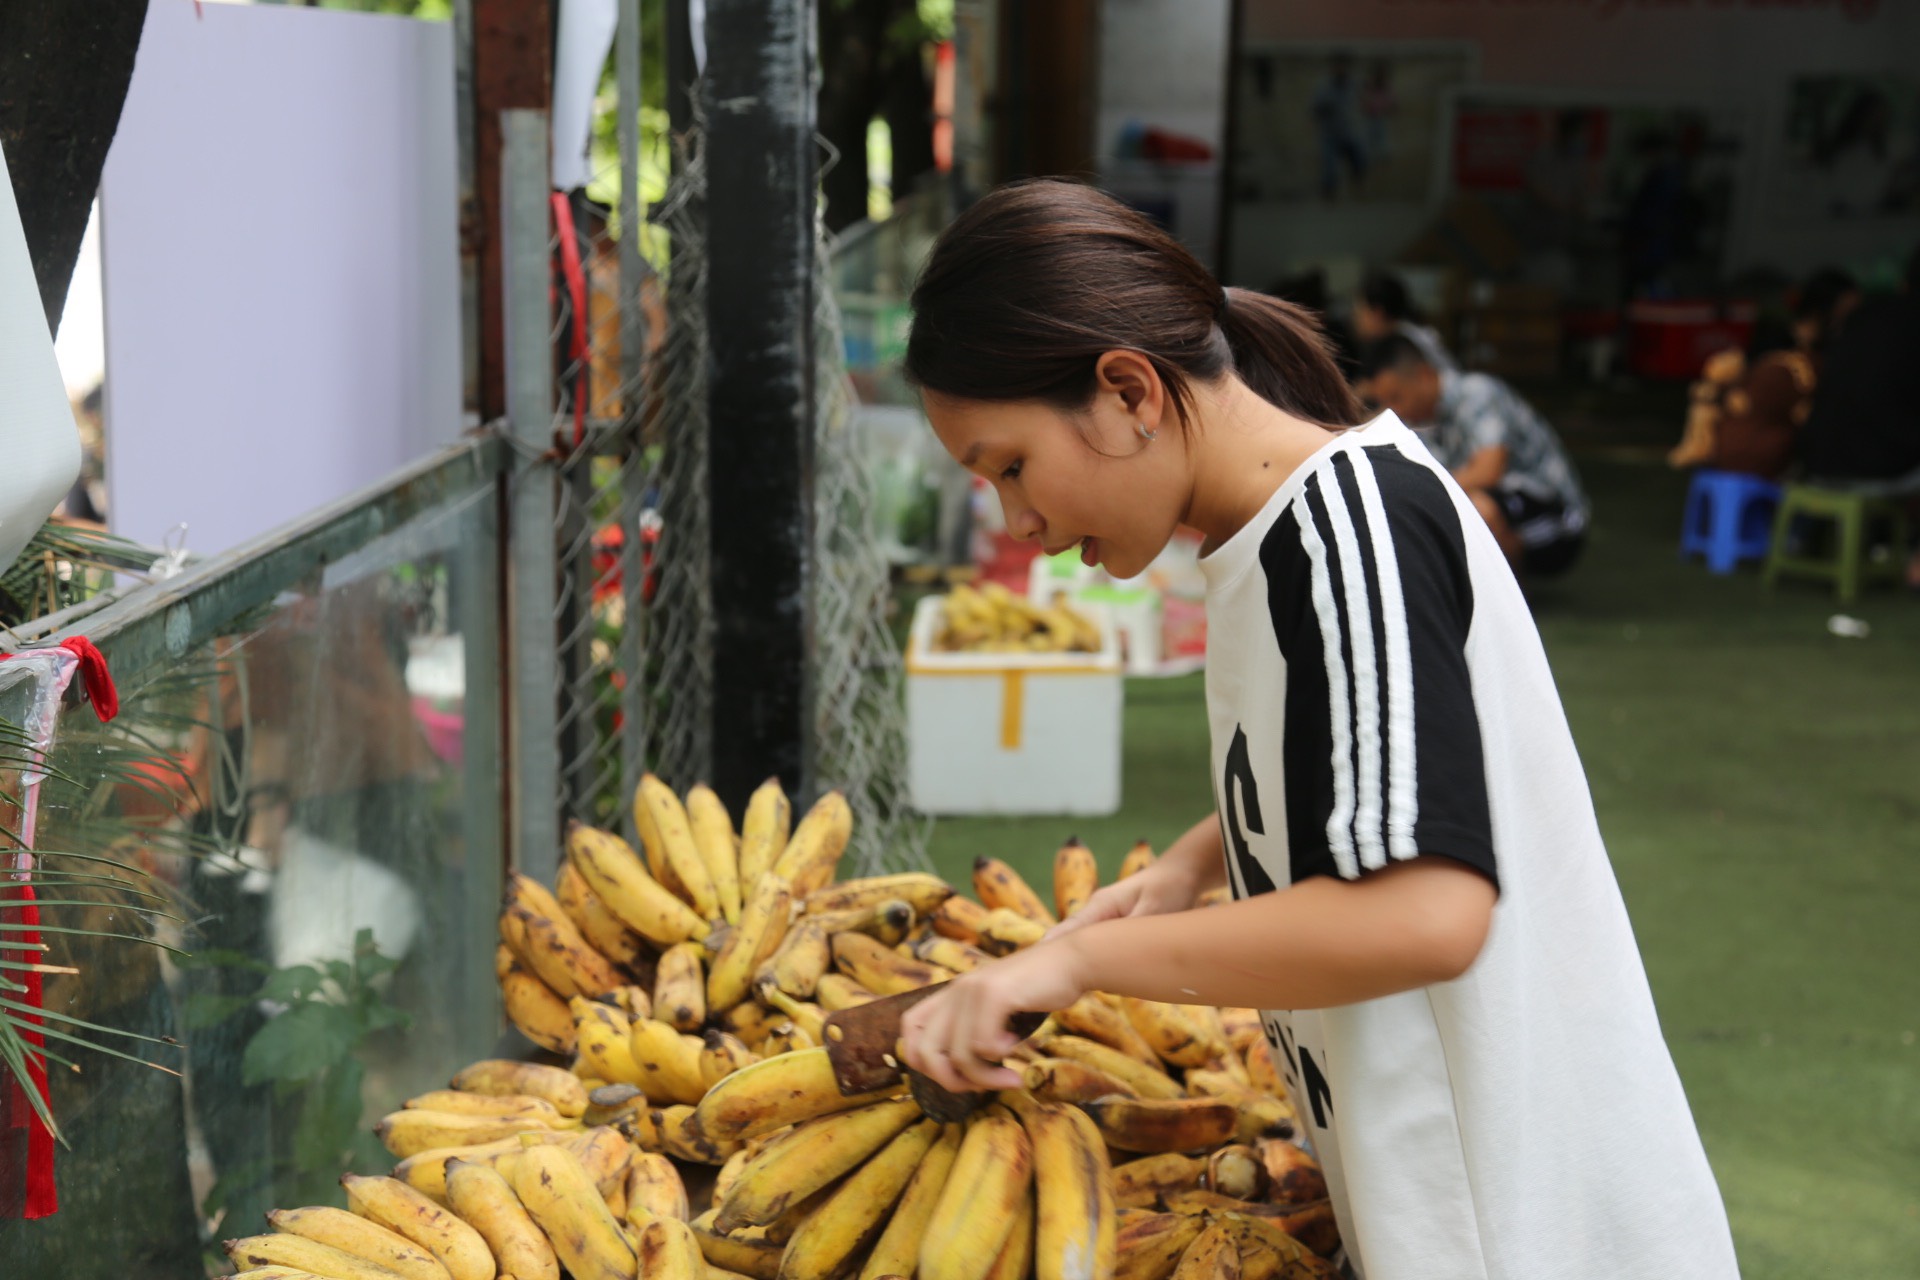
<point>1853,147</point>
<point>1357,122</point>
<point>1634,197</point>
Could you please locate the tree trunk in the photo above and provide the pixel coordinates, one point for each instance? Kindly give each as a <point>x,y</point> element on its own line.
<point>64,71</point>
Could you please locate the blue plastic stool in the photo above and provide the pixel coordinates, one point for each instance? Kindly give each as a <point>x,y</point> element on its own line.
<point>1729,519</point>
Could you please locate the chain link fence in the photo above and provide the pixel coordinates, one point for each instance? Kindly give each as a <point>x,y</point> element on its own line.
<point>633,610</point>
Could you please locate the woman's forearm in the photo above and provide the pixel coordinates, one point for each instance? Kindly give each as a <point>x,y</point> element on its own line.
<point>1320,943</point>
<point>1199,855</point>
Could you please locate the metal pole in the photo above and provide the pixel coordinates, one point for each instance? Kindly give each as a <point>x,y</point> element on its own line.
<point>634,275</point>
<point>534,771</point>
<point>762,180</point>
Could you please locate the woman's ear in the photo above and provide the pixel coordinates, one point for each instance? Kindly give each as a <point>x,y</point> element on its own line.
<point>1128,380</point>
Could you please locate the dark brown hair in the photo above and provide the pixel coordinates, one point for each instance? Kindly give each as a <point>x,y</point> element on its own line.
<point>1026,290</point>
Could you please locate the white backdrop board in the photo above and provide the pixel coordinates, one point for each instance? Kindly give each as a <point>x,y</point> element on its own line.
<point>280,262</point>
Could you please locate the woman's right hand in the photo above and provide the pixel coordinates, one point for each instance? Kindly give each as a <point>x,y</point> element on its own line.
<point>1176,879</point>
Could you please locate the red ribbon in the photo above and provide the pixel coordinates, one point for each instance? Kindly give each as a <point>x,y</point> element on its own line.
<point>42,1196</point>
<point>17,906</point>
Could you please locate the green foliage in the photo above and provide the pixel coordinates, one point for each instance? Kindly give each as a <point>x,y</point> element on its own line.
<point>308,1052</point>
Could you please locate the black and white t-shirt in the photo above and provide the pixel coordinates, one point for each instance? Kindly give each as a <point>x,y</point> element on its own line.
<point>1377,691</point>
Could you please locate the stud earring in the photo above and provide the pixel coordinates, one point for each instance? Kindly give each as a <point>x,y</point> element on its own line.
<point>1145,434</point>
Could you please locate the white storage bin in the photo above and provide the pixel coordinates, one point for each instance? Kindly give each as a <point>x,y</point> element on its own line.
<point>1005,733</point>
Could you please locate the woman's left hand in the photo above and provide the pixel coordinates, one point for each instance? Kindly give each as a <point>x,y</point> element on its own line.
<point>959,1038</point>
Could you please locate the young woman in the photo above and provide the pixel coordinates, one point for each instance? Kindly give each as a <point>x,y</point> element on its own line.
<point>1424,906</point>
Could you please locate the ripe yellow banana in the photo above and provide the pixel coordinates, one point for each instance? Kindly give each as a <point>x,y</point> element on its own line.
<point>667,819</point>
<point>837,991</point>
<point>400,1208</point>
<point>679,1135</point>
<point>712,829</point>
<point>1141,1183</point>
<point>1294,1176</point>
<point>1261,1114</point>
<point>618,878</point>
<point>1213,1255</point>
<point>763,831</point>
<point>668,1250</point>
<point>1165,1124</point>
<point>991,1178</point>
<point>1242,1027</point>
<point>1238,1171</point>
<point>562,1199</point>
<point>1063,1080</point>
<point>1150,1246</point>
<point>1264,1229</point>
<point>1016,1255</point>
<point>1140,1079</point>
<point>889,920</point>
<point>274,1273</point>
<point>655,1190</point>
<point>680,988</point>
<point>426,1173</point>
<point>1075,876</point>
<point>558,952</point>
<point>604,1153</point>
<point>533,1008</point>
<point>786,1038</point>
<point>773,1093</point>
<point>1006,931</point>
<point>881,969</point>
<point>950,953</point>
<point>750,943</point>
<point>1176,1033</point>
<point>918,889</point>
<point>897,1251</point>
<point>802,957</point>
<point>810,858</point>
<point>750,1020</point>
<point>366,1240</point>
<point>807,1017</point>
<point>633,1000</point>
<point>1100,1017</point>
<point>1138,859</point>
<point>307,1255</point>
<point>669,1062</point>
<point>602,1036</point>
<point>960,918</point>
<point>1000,887</point>
<point>833,1234</point>
<point>485,1202</point>
<point>1077,1221</point>
<point>817,1154</point>
<point>602,929</point>
<point>500,1077</point>
<point>722,1056</point>
<point>747,1255</point>
<point>479,1104</point>
<point>1262,1072</point>
<point>614,1104</point>
<point>408,1133</point>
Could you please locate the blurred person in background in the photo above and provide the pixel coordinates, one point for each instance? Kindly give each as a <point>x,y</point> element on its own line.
<point>1864,428</point>
<point>1497,447</point>
<point>1336,124</point>
<point>1384,308</point>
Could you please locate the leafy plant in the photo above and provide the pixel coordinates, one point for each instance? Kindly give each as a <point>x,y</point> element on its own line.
<point>309,1053</point>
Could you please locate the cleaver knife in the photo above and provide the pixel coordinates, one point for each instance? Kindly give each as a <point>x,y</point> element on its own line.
<point>863,1047</point>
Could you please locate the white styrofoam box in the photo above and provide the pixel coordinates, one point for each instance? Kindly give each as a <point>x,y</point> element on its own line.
<point>1004,733</point>
<point>37,435</point>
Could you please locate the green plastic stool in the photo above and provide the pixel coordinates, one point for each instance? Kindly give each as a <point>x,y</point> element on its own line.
<point>1851,514</point>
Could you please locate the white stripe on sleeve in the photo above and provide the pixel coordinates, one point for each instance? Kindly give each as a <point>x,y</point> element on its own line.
<point>1367,823</point>
<point>1403,803</point>
<point>1339,715</point>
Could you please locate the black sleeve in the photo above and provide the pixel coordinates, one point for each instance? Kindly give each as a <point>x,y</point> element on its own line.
<point>1371,601</point>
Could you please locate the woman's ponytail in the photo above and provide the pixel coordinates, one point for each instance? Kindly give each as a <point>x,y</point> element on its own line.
<point>1283,355</point>
<point>1026,290</point>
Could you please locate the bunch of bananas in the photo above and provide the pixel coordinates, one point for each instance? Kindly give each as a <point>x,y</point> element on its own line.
<point>689,982</point>
<point>994,620</point>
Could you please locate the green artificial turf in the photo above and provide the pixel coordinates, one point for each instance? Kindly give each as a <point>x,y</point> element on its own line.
<point>1758,781</point>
